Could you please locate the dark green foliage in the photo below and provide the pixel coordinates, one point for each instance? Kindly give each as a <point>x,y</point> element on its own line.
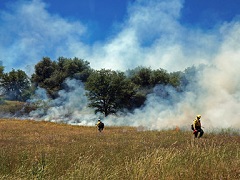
<point>74,68</point>
<point>160,76</point>
<point>146,77</point>
<point>109,91</point>
<point>138,100</point>
<point>15,85</point>
<point>142,76</point>
<point>1,71</point>
<point>50,75</point>
<point>174,79</point>
<point>44,70</point>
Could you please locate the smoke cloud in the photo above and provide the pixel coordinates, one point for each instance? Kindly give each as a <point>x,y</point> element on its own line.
<point>70,107</point>
<point>215,94</point>
<point>152,35</point>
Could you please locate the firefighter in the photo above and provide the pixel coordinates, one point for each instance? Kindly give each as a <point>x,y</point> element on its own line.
<point>197,127</point>
<point>100,125</point>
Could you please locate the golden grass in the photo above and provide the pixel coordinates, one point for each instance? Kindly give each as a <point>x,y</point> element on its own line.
<point>44,150</point>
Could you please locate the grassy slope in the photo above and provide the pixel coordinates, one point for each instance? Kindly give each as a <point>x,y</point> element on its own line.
<point>43,150</point>
<point>15,107</point>
<point>11,106</point>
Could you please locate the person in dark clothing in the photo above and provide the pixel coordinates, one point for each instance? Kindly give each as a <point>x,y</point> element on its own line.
<point>197,127</point>
<point>100,125</point>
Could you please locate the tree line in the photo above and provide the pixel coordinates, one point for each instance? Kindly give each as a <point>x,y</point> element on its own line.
<point>108,91</point>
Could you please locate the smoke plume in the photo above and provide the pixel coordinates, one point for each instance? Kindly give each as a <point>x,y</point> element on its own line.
<point>70,107</point>
<point>151,35</point>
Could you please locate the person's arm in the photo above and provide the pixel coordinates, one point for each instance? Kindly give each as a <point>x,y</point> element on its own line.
<point>194,124</point>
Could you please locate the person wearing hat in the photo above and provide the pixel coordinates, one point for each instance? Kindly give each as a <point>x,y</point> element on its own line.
<point>100,125</point>
<point>197,127</point>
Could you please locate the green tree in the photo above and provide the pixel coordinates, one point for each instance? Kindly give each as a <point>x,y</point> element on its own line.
<point>141,76</point>
<point>50,75</point>
<point>74,68</point>
<point>175,79</point>
<point>148,78</point>
<point>1,71</point>
<point>15,85</point>
<point>43,71</point>
<point>160,76</point>
<point>109,91</point>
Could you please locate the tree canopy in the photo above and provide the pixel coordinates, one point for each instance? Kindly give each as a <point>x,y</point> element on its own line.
<point>109,91</point>
<point>15,85</point>
<point>50,75</point>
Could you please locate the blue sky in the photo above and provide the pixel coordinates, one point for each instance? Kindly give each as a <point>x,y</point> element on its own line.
<point>124,34</point>
<point>117,34</point>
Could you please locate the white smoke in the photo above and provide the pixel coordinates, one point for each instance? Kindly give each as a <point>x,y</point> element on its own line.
<point>70,107</point>
<point>29,32</point>
<point>151,35</point>
<point>222,84</point>
<point>215,94</point>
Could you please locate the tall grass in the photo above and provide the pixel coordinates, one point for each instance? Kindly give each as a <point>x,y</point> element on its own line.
<point>44,150</point>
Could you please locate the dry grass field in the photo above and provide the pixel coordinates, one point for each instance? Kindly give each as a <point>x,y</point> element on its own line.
<point>44,150</point>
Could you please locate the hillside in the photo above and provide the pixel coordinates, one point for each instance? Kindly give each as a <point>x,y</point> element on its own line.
<point>15,108</point>
<point>44,150</point>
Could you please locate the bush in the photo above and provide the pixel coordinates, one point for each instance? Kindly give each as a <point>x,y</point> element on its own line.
<point>2,101</point>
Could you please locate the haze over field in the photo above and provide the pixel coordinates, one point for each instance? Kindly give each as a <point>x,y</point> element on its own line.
<point>168,34</point>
